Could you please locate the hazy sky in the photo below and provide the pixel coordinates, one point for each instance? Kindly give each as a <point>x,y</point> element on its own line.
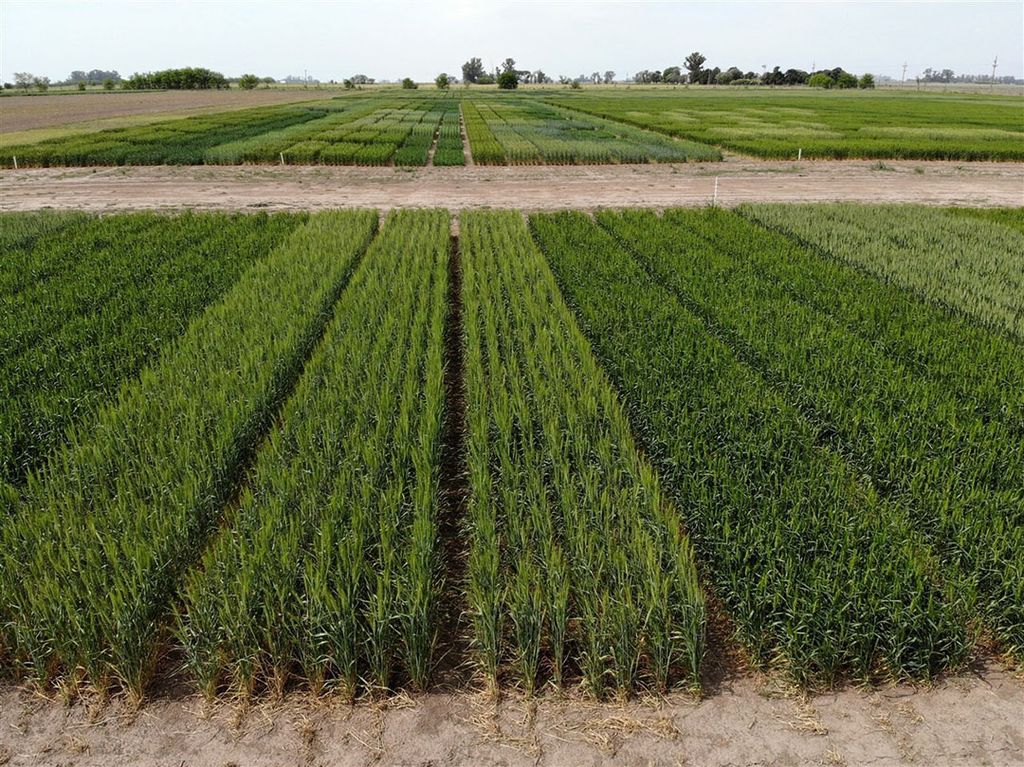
<point>389,39</point>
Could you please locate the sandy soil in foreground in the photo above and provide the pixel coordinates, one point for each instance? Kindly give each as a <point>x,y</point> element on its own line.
<point>529,188</point>
<point>972,719</point>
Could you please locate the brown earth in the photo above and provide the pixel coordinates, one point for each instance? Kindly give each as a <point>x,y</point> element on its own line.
<point>972,719</point>
<point>528,188</point>
<point>19,113</point>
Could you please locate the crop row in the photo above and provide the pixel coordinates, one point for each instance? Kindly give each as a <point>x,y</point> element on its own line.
<point>356,130</point>
<point>93,555</point>
<point>19,233</point>
<point>175,142</point>
<point>845,453</point>
<point>328,566</point>
<point>531,132</point>
<point>576,558</point>
<point>973,267</point>
<point>1009,217</point>
<point>788,123</point>
<point>959,474</point>
<point>821,574</point>
<point>483,144</point>
<point>108,294</point>
<point>449,149</point>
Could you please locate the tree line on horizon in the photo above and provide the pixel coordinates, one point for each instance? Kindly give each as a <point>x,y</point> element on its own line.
<point>506,76</point>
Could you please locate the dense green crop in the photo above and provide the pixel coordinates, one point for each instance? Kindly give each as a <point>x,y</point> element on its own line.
<point>820,573</point>
<point>18,234</point>
<point>175,142</point>
<point>576,559</point>
<point>206,450</point>
<point>95,302</point>
<point>92,558</point>
<point>972,266</point>
<point>482,143</point>
<point>449,149</point>
<point>531,132</point>
<point>783,123</point>
<point>328,566</point>
<point>960,474</point>
<point>1011,217</point>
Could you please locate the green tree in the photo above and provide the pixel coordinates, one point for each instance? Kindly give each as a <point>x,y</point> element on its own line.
<point>248,82</point>
<point>867,80</point>
<point>508,80</point>
<point>846,80</point>
<point>108,84</point>
<point>694,64</point>
<point>409,84</point>
<point>820,80</point>
<point>81,85</point>
<point>472,70</point>
<point>442,81</point>
<point>42,84</point>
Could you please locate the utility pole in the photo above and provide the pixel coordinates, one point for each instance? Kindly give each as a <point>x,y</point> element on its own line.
<point>903,78</point>
<point>995,63</point>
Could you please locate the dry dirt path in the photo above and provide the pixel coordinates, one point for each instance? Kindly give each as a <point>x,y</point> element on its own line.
<point>972,719</point>
<point>529,188</point>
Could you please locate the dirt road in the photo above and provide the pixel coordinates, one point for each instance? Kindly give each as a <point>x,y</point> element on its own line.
<point>528,188</point>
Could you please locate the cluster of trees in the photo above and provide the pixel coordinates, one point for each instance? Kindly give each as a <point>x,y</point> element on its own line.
<point>187,78</point>
<point>507,76</point>
<point>249,81</point>
<point>693,72</point>
<point>356,81</point>
<point>93,77</point>
<point>949,76</point>
<point>27,80</point>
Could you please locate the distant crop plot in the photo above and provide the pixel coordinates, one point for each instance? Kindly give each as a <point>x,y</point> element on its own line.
<point>600,125</point>
<point>786,123</point>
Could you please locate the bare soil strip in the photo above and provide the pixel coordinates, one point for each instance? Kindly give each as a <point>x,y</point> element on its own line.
<point>967,720</point>
<point>528,188</point>
<point>452,651</point>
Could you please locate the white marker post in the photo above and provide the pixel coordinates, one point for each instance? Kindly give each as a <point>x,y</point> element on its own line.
<point>15,162</point>
<point>715,200</point>
<point>800,154</point>
<point>282,158</point>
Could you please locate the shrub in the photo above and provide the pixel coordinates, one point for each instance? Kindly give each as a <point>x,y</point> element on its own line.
<point>508,80</point>
<point>409,84</point>
<point>820,80</point>
<point>846,80</point>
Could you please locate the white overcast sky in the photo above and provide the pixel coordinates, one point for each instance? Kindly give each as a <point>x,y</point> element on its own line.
<point>389,39</point>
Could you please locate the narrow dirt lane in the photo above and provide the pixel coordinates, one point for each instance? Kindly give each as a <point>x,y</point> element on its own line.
<point>529,188</point>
